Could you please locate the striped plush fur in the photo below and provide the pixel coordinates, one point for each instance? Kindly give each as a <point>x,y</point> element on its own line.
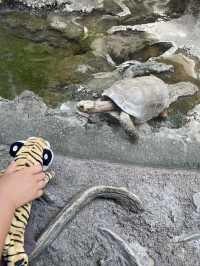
<point>26,153</point>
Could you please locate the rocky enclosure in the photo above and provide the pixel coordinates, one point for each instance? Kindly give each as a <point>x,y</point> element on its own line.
<point>170,197</point>
<point>72,134</point>
<point>66,51</point>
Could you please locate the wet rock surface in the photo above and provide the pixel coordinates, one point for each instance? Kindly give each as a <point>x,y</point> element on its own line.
<point>122,45</point>
<point>122,8</point>
<point>69,28</point>
<point>60,51</point>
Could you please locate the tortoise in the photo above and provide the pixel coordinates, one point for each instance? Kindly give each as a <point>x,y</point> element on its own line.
<point>137,100</point>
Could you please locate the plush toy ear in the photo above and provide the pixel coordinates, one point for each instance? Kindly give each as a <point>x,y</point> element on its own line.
<point>47,158</point>
<point>15,147</point>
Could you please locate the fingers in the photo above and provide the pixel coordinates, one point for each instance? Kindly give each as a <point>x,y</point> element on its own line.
<point>42,184</point>
<point>36,169</point>
<point>40,193</point>
<point>40,177</point>
<point>11,168</point>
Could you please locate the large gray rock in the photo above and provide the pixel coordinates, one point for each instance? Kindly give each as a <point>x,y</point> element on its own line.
<point>120,8</point>
<point>176,30</point>
<point>72,135</point>
<point>68,27</point>
<point>123,45</point>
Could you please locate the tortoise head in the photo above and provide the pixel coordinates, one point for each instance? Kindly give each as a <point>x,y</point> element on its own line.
<point>31,152</point>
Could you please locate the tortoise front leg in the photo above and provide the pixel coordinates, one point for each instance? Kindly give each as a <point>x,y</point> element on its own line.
<point>128,125</point>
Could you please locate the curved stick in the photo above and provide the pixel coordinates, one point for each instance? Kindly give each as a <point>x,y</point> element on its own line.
<point>119,194</point>
<point>131,254</point>
<point>127,253</point>
<point>187,237</point>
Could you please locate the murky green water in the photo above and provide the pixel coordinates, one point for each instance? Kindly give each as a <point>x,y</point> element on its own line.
<point>41,60</point>
<point>184,71</point>
<point>35,57</point>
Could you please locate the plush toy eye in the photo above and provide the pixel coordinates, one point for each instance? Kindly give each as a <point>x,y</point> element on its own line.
<point>15,147</point>
<point>47,157</point>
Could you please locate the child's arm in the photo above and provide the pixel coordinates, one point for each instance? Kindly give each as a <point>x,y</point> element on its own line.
<point>6,214</point>
<point>16,189</point>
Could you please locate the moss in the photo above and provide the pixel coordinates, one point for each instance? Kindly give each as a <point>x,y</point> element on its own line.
<point>67,69</point>
<point>43,68</point>
<point>24,19</point>
<point>36,58</point>
<point>26,65</point>
<point>20,60</point>
<point>52,97</point>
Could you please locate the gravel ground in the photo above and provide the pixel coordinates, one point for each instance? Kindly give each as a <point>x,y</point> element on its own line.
<point>170,211</point>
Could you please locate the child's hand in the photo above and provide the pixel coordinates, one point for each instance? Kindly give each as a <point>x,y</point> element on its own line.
<point>22,186</point>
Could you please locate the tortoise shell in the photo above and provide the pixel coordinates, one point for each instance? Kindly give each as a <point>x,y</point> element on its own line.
<point>143,97</point>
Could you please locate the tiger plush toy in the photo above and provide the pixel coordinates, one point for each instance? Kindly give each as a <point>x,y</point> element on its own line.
<point>26,153</point>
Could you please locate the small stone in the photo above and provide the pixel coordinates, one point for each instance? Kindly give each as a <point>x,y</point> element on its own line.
<point>187,65</point>
<point>137,68</point>
<point>69,27</point>
<point>193,236</point>
<point>196,200</point>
